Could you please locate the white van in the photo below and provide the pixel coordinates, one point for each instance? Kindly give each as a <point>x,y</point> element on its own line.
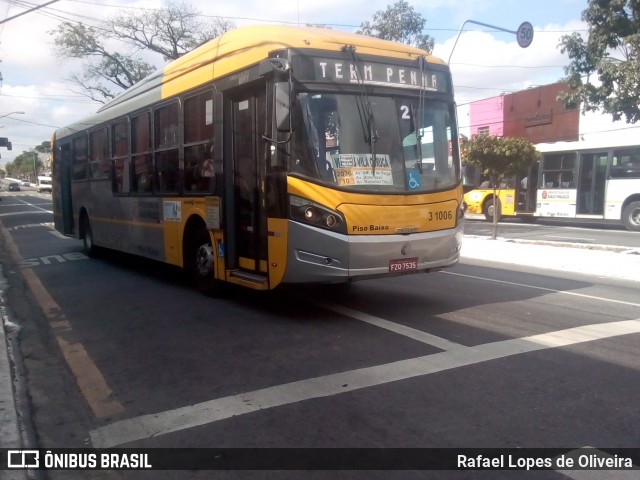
<point>43,184</point>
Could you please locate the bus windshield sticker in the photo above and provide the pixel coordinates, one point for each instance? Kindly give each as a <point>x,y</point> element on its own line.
<point>414,179</point>
<point>172,211</point>
<point>358,169</point>
<point>213,213</point>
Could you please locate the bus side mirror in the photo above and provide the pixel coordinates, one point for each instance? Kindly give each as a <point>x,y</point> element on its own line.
<point>283,107</point>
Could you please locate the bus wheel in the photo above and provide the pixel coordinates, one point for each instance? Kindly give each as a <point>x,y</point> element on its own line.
<point>490,208</point>
<point>90,248</point>
<point>631,216</point>
<point>199,263</point>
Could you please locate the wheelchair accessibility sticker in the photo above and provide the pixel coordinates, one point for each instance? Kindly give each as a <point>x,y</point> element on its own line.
<point>414,181</point>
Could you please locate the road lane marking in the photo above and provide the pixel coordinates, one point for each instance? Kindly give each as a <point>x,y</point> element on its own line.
<point>90,380</point>
<point>36,206</point>
<point>552,290</point>
<point>10,214</point>
<point>162,423</point>
<point>419,335</point>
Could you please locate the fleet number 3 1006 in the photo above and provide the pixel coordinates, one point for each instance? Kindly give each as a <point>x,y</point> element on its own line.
<point>440,215</point>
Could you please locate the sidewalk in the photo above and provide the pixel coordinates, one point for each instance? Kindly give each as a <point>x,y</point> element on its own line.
<point>9,432</point>
<point>598,260</point>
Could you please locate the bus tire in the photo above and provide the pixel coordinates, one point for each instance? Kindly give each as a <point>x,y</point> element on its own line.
<point>198,262</point>
<point>490,207</point>
<point>631,216</point>
<point>90,248</point>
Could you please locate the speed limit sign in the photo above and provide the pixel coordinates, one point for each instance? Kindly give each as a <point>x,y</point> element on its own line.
<point>525,34</point>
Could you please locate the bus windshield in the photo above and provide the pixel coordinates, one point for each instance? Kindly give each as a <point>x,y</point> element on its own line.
<point>376,143</point>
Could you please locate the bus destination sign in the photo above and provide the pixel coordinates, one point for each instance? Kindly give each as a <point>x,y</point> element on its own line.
<point>380,74</point>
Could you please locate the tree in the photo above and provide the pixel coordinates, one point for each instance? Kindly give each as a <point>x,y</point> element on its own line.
<point>170,32</point>
<point>611,53</point>
<point>399,23</point>
<point>25,165</point>
<point>496,157</point>
<point>44,147</point>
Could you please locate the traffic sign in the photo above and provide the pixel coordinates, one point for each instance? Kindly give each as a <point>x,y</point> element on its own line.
<point>525,34</point>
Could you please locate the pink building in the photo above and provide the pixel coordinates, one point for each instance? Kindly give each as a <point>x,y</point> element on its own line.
<point>487,116</point>
<point>534,114</point>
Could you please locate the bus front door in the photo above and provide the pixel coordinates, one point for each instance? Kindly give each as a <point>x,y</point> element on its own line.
<point>247,254</point>
<point>591,183</point>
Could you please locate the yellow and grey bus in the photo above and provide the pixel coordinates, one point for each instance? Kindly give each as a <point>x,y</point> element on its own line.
<point>272,155</point>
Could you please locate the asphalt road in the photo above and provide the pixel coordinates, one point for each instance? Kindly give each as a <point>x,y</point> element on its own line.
<point>120,352</point>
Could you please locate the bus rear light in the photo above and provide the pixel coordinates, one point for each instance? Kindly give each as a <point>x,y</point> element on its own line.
<point>317,215</point>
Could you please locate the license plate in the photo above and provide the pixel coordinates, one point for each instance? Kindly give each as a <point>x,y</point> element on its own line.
<point>403,265</point>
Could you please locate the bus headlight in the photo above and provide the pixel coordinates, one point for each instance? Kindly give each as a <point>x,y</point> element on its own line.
<point>312,213</point>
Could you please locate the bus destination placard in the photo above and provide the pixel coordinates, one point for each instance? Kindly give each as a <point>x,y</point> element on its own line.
<point>374,73</point>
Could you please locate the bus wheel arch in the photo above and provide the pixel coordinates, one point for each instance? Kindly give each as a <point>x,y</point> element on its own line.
<point>489,207</point>
<point>631,215</point>
<point>198,256</point>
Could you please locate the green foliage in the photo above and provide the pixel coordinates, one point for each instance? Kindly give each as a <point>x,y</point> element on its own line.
<point>107,69</point>
<point>611,54</point>
<point>24,165</point>
<point>496,156</point>
<point>44,147</point>
<point>399,23</point>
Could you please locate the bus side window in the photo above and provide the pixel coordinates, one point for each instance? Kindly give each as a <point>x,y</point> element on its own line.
<point>120,156</point>
<point>168,172</point>
<point>167,154</point>
<point>80,158</point>
<point>99,164</point>
<point>199,171</point>
<point>198,168</point>
<point>142,173</point>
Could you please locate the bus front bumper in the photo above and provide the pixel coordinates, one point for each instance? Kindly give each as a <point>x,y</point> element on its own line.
<point>317,255</point>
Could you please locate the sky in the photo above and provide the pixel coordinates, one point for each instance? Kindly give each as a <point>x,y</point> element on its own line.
<point>485,62</point>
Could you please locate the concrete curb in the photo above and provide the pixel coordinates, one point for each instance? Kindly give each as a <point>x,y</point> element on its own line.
<point>10,436</point>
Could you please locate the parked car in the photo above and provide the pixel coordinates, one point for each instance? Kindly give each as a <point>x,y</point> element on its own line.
<point>26,183</point>
<point>14,187</point>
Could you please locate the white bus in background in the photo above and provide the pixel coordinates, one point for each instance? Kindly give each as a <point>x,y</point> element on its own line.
<point>572,180</point>
<point>590,181</point>
<point>43,184</point>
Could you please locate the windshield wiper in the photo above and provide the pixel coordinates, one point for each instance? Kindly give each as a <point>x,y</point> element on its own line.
<point>418,117</point>
<point>416,131</point>
<point>365,110</point>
